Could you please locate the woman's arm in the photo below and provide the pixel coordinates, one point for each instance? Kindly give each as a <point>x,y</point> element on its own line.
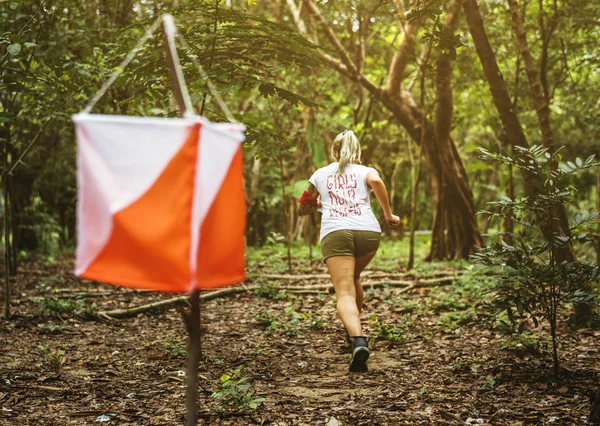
<point>304,209</point>
<point>375,182</point>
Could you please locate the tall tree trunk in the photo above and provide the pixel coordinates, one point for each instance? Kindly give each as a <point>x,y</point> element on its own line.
<point>500,96</point>
<point>453,228</point>
<point>542,110</point>
<point>510,120</point>
<point>454,205</point>
<point>504,106</point>
<point>539,100</point>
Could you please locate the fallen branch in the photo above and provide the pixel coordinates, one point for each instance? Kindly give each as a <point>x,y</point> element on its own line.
<point>174,301</point>
<point>312,289</point>
<point>375,284</point>
<point>370,274</point>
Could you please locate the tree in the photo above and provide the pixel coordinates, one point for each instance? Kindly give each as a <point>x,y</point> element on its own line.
<point>510,119</point>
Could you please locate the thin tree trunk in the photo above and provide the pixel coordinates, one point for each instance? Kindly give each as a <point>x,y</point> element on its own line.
<point>506,110</point>
<point>542,110</point>
<point>450,230</point>
<point>507,223</point>
<point>6,240</point>
<point>539,100</point>
<point>415,173</point>
<point>598,209</point>
<point>255,178</point>
<point>416,169</point>
<point>500,96</point>
<point>510,120</point>
<point>285,218</point>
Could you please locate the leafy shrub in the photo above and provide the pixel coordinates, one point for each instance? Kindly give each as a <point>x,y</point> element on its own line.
<point>290,322</point>
<point>385,331</point>
<point>58,306</point>
<point>53,358</point>
<point>535,282</point>
<point>174,347</point>
<point>236,392</point>
<point>270,290</point>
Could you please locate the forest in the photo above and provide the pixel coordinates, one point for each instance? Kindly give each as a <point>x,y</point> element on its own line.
<point>482,119</point>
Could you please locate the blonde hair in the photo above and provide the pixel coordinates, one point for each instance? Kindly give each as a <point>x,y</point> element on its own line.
<point>345,149</point>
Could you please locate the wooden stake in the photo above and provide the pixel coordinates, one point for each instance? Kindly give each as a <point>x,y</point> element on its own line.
<point>194,354</point>
<point>177,79</point>
<point>193,319</point>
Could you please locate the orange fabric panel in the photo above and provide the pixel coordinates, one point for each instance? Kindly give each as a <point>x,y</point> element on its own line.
<point>222,234</point>
<point>150,241</point>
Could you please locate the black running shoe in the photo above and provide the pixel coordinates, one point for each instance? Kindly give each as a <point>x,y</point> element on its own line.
<point>360,354</point>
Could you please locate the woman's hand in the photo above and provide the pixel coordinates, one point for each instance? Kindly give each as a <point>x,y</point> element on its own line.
<point>378,187</point>
<point>306,208</point>
<point>393,221</point>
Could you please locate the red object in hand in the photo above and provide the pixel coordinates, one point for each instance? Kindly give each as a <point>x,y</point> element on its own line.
<point>308,199</point>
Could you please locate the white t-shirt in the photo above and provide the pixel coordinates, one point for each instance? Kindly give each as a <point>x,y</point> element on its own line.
<point>344,198</point>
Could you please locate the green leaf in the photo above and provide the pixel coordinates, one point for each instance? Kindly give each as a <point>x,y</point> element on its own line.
<point>224,378</point>
<point>5,117</point>
<point>579,162</point>
<point>14,49</point>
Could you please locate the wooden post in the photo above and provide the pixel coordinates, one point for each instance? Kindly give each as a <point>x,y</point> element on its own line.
<point>194,353</point>
<point>177,79</point>
<point>192,321</point>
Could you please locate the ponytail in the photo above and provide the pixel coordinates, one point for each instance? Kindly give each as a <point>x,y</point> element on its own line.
<point>345,149</point>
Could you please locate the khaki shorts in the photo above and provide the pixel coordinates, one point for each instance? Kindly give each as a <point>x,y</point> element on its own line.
<point>349,243</point>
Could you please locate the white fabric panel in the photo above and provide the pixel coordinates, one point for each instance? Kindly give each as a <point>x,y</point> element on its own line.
<point>94,220</point>
<point>133,150</point>
<point>119,160</point>
<point>219,143</point>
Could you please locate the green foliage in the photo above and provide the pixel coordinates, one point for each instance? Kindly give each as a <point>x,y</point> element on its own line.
<point>53,358</point>
<point>439,36</point>
<point>535,283</point>
<point>52,328</point>
<point>270,290</point>
<point>453,320</point>
<point>61,306</point>
<point>291,322</point>
<point>55,56</point>
<point>385,331</point>
<point>236,392</point>
<point>525,342</point>
<point>175,348</point>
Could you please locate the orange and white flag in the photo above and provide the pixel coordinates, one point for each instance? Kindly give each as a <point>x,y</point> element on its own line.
<point>161,202</point>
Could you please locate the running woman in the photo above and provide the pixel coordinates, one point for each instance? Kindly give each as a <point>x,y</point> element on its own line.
<point>350,232</point>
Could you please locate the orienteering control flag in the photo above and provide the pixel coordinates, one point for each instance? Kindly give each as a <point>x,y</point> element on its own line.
<point>161,202</point>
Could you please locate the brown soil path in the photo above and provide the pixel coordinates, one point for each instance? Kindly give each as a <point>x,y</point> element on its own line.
<point>69,371</point>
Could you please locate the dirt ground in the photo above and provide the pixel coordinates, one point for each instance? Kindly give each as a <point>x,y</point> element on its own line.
<point>70,368</point>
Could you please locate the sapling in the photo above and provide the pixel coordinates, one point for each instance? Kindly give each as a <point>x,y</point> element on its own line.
<point>534,283</point>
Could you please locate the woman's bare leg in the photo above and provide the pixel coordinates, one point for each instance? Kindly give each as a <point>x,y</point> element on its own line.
<point>341,270</point>
<point>360,263</point>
